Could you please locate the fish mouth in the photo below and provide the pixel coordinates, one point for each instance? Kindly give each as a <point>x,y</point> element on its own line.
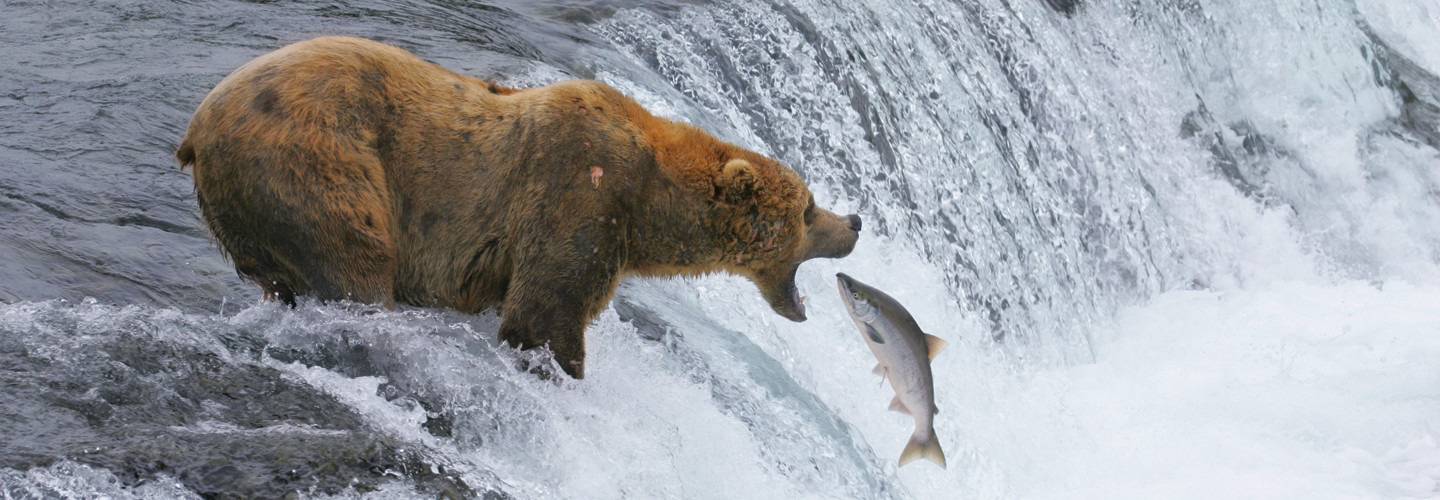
<point>842,281</point>
<point>784,297</point>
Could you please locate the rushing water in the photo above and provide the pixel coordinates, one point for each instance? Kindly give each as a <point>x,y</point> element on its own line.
<point>1179,249</point>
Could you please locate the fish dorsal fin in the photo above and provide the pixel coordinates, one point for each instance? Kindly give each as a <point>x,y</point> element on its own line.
<point>896,405</point>
<point>935,344</point>
<point>874,335</point>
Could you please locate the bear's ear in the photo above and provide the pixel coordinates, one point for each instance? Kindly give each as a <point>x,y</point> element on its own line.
<point>736,182</point>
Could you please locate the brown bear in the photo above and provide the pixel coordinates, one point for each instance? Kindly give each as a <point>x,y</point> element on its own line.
<point>343,168</point>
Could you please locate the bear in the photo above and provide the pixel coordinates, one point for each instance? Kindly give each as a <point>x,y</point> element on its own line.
<point>347,169</point>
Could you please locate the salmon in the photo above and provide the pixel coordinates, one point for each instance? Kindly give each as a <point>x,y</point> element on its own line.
<point>904,353</point>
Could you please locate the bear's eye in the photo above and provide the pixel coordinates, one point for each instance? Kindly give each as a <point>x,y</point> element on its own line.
<point>810,211</point>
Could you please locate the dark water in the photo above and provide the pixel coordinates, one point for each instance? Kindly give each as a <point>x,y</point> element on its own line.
<point>1029,167</point>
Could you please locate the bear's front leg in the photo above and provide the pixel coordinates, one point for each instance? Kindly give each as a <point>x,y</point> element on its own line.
<point>551,300</point>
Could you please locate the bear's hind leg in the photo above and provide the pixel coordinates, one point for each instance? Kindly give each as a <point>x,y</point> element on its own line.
<point>309,220</point>
<point>350,271</point>
<point>326,259</point>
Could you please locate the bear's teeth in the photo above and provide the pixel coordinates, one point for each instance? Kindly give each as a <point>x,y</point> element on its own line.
<point>799,301</point>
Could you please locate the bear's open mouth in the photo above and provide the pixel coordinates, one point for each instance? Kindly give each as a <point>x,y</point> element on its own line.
<point>799,301</point>
<point>785,299</point>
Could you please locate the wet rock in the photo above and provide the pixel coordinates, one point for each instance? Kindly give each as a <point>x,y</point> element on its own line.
<point>1239,152</point>
<point>1066,7</point>
<point>140,405</point>
<point>1417,88</point>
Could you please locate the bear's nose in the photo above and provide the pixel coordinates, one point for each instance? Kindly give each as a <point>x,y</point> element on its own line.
<point>854,222</point>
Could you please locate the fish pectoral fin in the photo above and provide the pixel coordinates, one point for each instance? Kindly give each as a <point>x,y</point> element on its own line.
<point>879,369</point>
<point>874,335</point>
<point>935,344</point>
<point>896,405</point>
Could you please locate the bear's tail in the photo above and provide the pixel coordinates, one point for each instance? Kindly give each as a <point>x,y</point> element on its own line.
<point>186,154</point>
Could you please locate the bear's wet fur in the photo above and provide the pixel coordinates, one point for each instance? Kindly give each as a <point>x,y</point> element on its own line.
<point>347,169</point>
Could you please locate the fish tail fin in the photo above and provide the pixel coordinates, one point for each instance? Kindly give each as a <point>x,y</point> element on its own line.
<point>927,448</point>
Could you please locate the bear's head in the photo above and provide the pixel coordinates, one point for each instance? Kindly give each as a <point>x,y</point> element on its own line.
<point>731,210</point>
<point>774,226</point>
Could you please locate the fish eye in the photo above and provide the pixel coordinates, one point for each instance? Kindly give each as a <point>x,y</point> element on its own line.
<point>855,294</point>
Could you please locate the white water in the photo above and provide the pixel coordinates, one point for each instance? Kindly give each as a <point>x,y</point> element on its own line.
<point>1307,365</point>
<point>1280,389</point>
<point>1162,334</point>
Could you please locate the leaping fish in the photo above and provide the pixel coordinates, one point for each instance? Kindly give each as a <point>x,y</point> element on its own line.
<point>904,353</point>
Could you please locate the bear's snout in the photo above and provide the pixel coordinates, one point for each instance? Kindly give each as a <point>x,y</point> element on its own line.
<point>831,235</point>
